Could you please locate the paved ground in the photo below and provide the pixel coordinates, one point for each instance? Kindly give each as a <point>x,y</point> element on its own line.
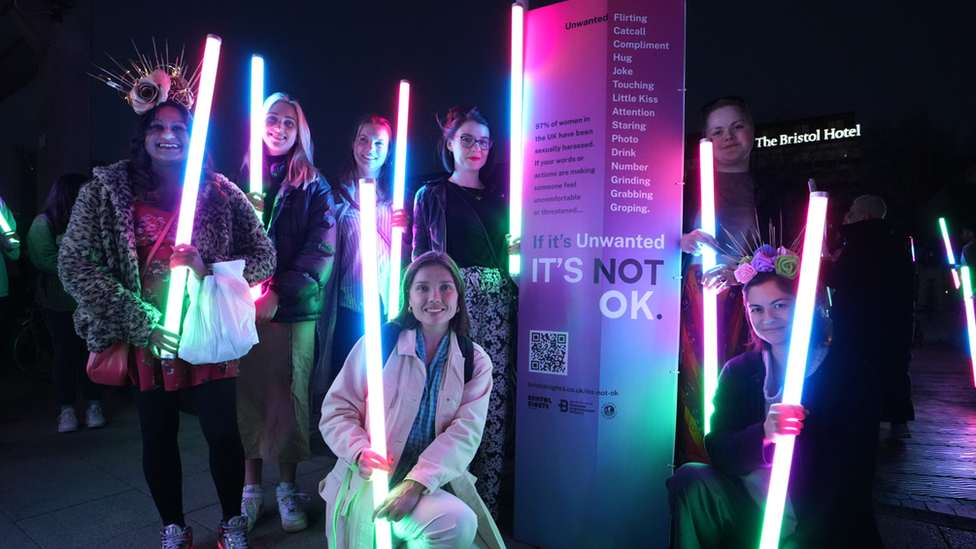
<point>86,489</point>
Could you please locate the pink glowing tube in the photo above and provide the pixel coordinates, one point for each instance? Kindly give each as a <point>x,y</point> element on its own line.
<point>191,181</point>
<point>257,122</point>
<point>399,187</point>
<point>796,364</point>
<point>911,244</point>
<point>515,173</point>
<point>372,345</point>
<point>949,253</point>
<point>709,295</point>
<point>257,134</point>
<point>967,293</point>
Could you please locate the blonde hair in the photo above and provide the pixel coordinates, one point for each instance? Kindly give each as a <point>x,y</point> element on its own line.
<point>301,167</point>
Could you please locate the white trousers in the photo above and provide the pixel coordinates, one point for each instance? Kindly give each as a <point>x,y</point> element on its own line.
<point>439,521</point>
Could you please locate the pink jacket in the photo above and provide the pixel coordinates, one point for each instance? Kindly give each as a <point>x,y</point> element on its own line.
<point>460,420</point>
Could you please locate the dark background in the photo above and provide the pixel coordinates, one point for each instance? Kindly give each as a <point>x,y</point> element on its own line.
<point>889,62</point>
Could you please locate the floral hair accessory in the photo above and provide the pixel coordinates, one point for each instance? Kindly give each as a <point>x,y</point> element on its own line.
<point>150,82</point>
<point>765,259</point>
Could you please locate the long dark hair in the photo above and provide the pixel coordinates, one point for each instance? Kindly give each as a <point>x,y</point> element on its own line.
<point>461,323</point>
<point>144,182</point>
<point>820,334</point>
<point>348,170</point>
<point>457,117</point>
<point>61,199</point>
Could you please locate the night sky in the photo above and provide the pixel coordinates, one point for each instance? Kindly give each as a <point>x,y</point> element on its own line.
<point>789,59</point>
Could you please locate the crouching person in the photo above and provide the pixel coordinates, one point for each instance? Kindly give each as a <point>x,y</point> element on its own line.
<point>436,387</point>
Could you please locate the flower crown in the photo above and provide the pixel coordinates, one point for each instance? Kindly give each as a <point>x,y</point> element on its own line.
<point>765,259</point>
<point>147,84</point>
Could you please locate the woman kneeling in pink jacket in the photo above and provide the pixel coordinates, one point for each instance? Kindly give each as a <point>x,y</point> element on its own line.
<point>435,414</point>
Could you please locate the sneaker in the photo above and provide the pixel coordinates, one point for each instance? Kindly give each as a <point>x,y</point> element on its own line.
<point>899,430</point>
<point>233,534</point>
<point>94,418</point>
<point>252,505</point>
<point>67,421</point>
<point>293,518</point>
<point>174,537</point>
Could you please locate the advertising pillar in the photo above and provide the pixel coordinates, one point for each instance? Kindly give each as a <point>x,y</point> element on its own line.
<point>600,272</point>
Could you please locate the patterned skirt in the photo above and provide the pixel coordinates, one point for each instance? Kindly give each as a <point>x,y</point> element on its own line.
<point>492,308</point>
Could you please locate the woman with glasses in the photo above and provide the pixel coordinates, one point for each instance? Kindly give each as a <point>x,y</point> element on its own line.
<point>742,197</point>
<point>464,215</point>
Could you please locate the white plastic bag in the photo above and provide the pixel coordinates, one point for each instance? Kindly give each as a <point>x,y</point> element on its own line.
<point>219,324</point>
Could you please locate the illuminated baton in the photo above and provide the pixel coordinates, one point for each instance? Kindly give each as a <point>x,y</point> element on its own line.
<point>257,122</point>
<point>967,293</point>
<point>515,171</point>
<point>6,228</point>
<point>796,364</point>
<point>709,295</point>
<point>191,182</point>
<point>948,247</point>
<point>372,346</point>
<point>257,142</point>
<point>399,187</point>
<point>911,244</point>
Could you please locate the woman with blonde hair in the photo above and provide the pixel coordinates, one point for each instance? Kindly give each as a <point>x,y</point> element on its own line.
<point>272,396</point>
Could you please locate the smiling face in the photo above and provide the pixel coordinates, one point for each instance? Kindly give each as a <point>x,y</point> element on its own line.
<point>770,312</point>
<point>168,138</point>
<point>732,136</point>
<point>281,128</point>
<point>472,159</point>
<point>434,297</point>
<point>370,149</point>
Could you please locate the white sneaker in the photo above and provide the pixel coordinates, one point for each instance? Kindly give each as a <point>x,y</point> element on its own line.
<point>94,417</point>
<point>174,537</point>
<point>293,517</point>
<point>233,534</point>
<point>67,421</point>
<point>252,505</point>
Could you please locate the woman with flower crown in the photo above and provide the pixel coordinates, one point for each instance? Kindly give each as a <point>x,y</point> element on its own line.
<point>743,199</point>
<point>272,394</point>
<point>829,496</point>
<point>115,261</point>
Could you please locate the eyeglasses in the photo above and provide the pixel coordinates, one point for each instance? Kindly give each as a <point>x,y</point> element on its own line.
<point>467,142</point>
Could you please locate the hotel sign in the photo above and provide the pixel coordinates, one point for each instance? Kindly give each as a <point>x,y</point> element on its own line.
<point>821,134</point>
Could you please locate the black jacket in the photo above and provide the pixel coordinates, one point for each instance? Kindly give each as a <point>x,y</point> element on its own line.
<point>303,231</point>
<point>834,457</point>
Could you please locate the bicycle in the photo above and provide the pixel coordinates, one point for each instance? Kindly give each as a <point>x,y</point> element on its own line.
<point>33,348</point>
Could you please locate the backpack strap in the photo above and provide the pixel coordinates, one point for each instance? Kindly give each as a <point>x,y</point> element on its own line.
<point>389,334</point>
<point>467,349</point>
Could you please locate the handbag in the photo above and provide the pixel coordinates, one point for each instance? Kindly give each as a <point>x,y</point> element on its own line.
<point>111,366</point>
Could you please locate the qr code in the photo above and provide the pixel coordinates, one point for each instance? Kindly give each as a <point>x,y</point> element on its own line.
<point>548,352</point>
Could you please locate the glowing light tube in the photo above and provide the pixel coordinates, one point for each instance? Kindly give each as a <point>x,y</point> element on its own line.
<point>6,228</point>
<point>951,256</point>
<point>796,364</point>
<point>911,244</point>
<point>967,293</point>
<point>256,148</point>
<point>372,345</point>
<point>399,188</point>
<point>515,173</point>
<point>709,296</point>
<point>257,123</point>
<point>191,181</point>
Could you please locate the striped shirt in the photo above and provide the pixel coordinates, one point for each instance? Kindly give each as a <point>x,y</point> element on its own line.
<point>349,263</point>
<point>422,433</point>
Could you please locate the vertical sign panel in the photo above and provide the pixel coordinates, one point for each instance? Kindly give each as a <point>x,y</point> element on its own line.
<point>599,284</point>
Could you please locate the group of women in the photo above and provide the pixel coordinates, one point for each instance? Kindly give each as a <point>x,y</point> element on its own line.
<point>448,379</point>
<point>299,241</point>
